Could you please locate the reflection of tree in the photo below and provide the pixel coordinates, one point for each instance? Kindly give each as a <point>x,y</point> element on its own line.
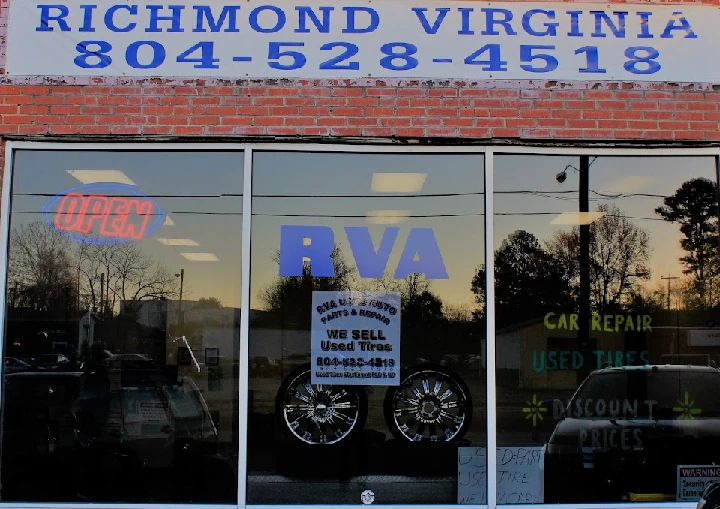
<point>695,207</point>
<point>208,303</point>
<point>46,274</point>
<point>529,281</point>
<point>126,275</point>
<point>619,259</point>
<point>289,298</point>
<point>40,269</point>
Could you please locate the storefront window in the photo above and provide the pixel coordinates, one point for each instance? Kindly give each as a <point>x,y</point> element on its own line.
<point>120,366</point>
<point>606,304</point>
<point>367,334</point>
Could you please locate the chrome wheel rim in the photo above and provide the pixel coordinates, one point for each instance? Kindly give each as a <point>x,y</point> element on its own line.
<point>319,414</point>
<point>429,405</point>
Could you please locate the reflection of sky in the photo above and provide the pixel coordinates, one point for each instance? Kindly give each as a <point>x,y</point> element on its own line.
<point>660,176</point>
<point>314,175</point>
<point>298,188</point>
<point>187,185</point>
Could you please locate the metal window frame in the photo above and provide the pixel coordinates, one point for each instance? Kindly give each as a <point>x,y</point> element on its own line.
<point>247,150</point>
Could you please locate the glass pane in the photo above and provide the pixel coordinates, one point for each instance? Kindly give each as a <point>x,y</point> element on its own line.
<point>367,374</point>
<point>607,277</point>
<point>120,372</point>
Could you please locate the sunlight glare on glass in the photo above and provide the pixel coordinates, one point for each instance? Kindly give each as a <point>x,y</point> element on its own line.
<point>177,242</point>
<point>387,216</point>
<point>397,182</point>
<point>577,218</point>
<point>94,176</point>
<point>627,184</point>
<point>201,257</point>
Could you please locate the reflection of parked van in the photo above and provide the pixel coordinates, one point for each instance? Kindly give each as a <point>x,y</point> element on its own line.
<point>108,434</point>
<point>627,429</point>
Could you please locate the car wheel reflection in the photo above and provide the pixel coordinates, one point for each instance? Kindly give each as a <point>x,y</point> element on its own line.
<point>319,414</point>
<point>431,404</point>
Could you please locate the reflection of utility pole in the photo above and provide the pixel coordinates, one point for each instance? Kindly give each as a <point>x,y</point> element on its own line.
<point>669,278</point>
<point>584,225</point>
<point>677,310</point>
<point>181,275</point>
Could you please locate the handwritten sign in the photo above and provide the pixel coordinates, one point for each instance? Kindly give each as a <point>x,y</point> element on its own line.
<point>355,338</point>
<point>519,475</point>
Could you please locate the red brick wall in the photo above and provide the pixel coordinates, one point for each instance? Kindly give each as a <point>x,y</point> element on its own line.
<point>454,109</point>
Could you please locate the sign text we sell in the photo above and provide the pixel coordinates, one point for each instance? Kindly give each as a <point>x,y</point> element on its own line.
<point>355,336</point>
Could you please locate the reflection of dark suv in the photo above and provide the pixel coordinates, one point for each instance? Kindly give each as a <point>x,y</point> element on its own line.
<point>627,429</point>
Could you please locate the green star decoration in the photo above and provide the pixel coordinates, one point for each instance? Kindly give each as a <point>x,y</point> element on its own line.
<point>687,409</point>
<point>534,410</point>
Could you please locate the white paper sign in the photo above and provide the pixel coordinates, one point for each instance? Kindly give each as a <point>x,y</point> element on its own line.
<point>355,338</point>
<point>519,475</point>
<point>364,39</point>
<point>692,480</point>
<point>704,337</point>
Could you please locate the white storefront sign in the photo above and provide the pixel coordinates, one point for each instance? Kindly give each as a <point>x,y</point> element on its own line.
<point>355,338</point>
<point>360,39</point>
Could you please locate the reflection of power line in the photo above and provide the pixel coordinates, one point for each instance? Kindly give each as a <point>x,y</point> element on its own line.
<point>546,194</point>
<point>363,216</point>
<point>223,195</point>
<point>151,215</point>
<point>558,213</point>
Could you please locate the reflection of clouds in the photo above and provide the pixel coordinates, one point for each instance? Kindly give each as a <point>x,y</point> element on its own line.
<point>627,184</point>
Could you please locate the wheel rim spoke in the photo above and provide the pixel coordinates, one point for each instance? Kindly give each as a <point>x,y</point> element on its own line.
<point>409,401</point>
<point>303,397</point>
<point>345,405</point>
<point>433,432</point>
<point>299,408</point>
<point>416,391</point>
<point>309,389</point>
<point>338,395</point>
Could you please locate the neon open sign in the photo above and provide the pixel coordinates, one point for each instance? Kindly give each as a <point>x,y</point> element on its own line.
<point>104,213</point>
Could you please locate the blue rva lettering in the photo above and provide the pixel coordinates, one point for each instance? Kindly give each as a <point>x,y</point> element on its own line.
<point>558,360</point>
<point>420,255</point>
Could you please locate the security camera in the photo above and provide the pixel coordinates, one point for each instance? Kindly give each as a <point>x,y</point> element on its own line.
<point>560,177</point>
